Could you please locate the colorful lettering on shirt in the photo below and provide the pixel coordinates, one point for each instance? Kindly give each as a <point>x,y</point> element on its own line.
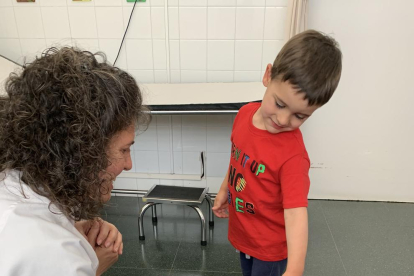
<point>238,181</point>
<point>235,152</point>
<point>261,169</point>
<point>250,207</point>
<point>245,158</point>
<point>238,205</point>
<point>229,198</point>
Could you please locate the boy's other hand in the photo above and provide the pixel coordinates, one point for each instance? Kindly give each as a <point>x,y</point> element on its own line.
<point>221,205</point>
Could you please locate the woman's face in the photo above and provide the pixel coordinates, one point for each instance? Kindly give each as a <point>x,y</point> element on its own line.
<point>119,153</point>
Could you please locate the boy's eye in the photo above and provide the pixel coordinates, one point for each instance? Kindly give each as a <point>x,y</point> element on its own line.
<point>300,117</point>
<point>279,105</point>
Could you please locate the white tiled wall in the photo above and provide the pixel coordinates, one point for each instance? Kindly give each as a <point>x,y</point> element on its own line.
<point>208,40</point>
<point>155,151</point>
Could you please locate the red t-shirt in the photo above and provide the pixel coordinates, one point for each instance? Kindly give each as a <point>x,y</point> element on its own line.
<point>267,174</point>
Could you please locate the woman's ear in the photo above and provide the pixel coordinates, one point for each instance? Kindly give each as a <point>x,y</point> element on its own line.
<point>267,77</point>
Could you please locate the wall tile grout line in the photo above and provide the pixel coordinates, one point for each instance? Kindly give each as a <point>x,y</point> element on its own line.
<point>207,8</point>
<point>235,42</point>
<point>43,24</point>
<point>153,61</point>
<point>179,41</point>
<point>124,48</point>
<point>70,26</point>
<point>18,33</point>
<point>264,25</point>
<point>96,24</point>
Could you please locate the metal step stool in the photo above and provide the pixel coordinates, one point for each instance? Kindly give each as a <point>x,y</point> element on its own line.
<point>190,196</point>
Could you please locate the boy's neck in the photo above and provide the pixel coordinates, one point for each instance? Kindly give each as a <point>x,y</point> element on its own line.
<point>257,120</point>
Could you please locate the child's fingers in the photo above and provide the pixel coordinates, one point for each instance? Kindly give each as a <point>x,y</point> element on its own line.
<point>216,210</point>
<point>221,213</point>
<point>224,214</point>
<point>219,206</point>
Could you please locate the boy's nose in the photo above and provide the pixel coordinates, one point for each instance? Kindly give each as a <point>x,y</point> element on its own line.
<point>283,121</point>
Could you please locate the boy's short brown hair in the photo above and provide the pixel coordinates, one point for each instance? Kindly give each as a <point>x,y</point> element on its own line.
<point>312,62</point>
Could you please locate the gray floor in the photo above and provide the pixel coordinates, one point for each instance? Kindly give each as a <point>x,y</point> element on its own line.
<point>345,238</point>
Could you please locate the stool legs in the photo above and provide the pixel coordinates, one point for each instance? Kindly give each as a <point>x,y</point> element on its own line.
<point>196,208</point>
<point>203,224</point>
<point>210,214</point>
<point>141,217</point>
<point>154,213</point>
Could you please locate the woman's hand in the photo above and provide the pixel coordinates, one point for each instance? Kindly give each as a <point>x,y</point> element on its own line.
<point>99,232</point>
<point>106,257</point>
<point>108,235</point>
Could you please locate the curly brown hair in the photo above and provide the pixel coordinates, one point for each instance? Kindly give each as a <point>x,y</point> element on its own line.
<point>56,122</point>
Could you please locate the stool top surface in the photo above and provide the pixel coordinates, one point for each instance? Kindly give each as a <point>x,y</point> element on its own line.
<point>176,194</point>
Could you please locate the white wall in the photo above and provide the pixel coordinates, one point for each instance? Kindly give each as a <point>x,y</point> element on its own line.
<point>208,40</point>
<point>191,135</point>
<point>6,67</point>
<point>361,143</point>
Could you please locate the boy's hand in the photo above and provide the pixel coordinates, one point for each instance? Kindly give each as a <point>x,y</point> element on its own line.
<point>221,205</point>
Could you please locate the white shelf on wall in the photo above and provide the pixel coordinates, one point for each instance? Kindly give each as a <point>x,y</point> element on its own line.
<point>201,93</point>
<point>169,176</point>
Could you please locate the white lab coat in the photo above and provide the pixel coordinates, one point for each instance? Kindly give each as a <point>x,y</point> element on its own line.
<point>35,241</point>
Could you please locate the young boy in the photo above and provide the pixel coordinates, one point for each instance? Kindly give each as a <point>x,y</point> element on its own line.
<point>264,193</point>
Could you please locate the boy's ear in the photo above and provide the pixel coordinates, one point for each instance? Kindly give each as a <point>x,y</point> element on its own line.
<point>267,77</point>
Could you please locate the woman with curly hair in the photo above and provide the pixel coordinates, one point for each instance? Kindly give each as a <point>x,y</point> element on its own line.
<point>66,127</point>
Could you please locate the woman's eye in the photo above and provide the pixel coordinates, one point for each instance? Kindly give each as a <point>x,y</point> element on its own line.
<point>279,105</point>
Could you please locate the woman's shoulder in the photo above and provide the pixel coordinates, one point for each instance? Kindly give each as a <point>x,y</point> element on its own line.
<point>40,239</point>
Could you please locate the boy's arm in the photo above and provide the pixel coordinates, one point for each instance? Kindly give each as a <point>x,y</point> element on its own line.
<point>221,206</point>
<point>296,223</point>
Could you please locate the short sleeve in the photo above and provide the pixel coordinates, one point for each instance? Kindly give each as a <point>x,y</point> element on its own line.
<point>239,116</point>
<point>294,180</point>
<point>236,119</point>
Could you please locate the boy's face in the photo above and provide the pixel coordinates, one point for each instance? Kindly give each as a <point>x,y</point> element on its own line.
<point>283,108</point>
